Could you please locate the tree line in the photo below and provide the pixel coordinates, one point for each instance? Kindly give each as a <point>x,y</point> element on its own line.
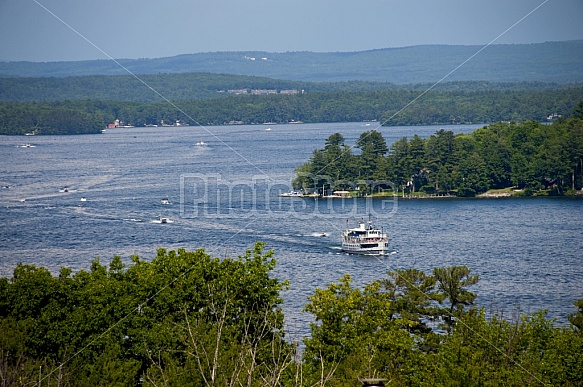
<point>450,106</point>
<point>191,320</point>
<point>528,157</point>
<point>196,86</point>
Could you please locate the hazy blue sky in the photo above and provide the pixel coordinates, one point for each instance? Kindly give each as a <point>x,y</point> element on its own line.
<point>157,28</point>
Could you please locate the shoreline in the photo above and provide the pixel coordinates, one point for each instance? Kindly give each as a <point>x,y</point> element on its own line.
<point>485,195</point>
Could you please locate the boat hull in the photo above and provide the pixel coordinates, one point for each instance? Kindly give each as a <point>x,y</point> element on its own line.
<point>382,249</point>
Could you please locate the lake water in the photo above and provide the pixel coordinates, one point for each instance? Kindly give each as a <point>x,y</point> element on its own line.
<point>223,197</point>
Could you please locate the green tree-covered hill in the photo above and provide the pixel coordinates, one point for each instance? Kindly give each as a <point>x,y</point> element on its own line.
<point>448,107</point>
<point>559,62</point>
<point>177,87</point>
<point>190,86</point>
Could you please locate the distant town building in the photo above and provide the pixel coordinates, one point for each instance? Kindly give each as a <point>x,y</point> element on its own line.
<point>263,91</point>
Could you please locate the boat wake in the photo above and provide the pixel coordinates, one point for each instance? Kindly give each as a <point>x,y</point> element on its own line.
<point>132,220</point>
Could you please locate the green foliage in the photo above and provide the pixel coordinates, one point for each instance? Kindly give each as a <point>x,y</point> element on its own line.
<point>333,163</point>
<point>530,156</point>
<point>529,350</point>
<point>184,318</point>
<point>88,104</point>
<point>54,118</point>
<point>381,330</point>
<point>576,318</point>
<point>412,293</point>
<point>578,111</point>
<point>452,282</point>
<point>375,332</point>
<point>354,333</point>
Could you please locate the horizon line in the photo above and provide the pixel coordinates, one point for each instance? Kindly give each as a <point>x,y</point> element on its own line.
<point>289,51</point>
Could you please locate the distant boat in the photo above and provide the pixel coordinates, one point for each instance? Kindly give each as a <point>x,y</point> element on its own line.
<point>291,193</point>
<point>165,201</point>
<point>201,143</point>
<point>268,129</point>
<point>26,146</point>
<point>365,240</point>
<point>83,199</point>
<point>162,220</point>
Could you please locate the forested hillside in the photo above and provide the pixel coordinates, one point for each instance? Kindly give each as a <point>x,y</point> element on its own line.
<point>151,88</point>
<point>560,62</point>
<point>448,107</point>
<point>189,86</point>
<point>531,158</point>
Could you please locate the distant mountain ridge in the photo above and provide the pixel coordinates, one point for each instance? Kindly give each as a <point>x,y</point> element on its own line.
<point>551,62</point>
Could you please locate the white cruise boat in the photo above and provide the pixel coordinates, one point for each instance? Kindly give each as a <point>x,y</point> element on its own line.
<point>365,240</point>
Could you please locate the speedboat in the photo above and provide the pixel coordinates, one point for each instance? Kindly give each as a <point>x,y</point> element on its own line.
<point>365,239</point>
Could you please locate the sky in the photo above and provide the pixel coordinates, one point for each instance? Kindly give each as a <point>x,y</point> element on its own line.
<point>63,30</point>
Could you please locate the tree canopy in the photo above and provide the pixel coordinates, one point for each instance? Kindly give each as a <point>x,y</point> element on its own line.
<point>529,157</point>
<point>345,103</point>
<point>183,317</point>
<point>188,319</point>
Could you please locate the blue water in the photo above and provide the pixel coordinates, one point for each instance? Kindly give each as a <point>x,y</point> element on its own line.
<point>527,252</point>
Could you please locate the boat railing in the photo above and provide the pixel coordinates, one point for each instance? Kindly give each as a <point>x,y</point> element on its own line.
<point>360,240</point>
